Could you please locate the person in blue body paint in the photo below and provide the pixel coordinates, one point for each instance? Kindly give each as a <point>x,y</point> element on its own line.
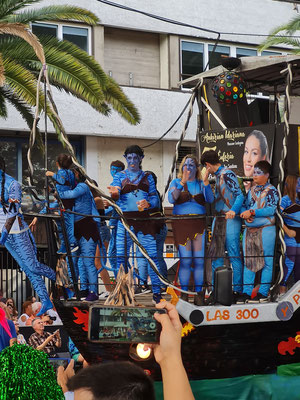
<point>143,264</point>
<point>86,232</point>
<point>258,211</point>
<point>136,192</point>
<point>290,205</point>
<point>64,180</point>
<point>115,167</point>
<point>18,239</point>
<point>189,194</point>
<point>226,225</point>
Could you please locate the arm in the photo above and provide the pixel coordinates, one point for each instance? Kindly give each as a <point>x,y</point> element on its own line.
<point>14,199</point>
<point>59,177</point>
<point>77,192</point>
<point>233,185</point>
<point>44,344</point>
<point>271,204</point>
<point>153,196</point>
<point>167,353</point>
<point>175,189</point>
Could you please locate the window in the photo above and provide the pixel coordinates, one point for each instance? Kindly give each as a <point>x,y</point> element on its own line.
<point>192,59</point>
<point>44,29</point>
<point>215,58</point>
<point>241,52</point>
<point>77,35</point>
<point>17,165</point>
<point>270,53</point>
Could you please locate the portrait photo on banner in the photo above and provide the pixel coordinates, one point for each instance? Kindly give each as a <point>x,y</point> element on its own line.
<point>240,148</point>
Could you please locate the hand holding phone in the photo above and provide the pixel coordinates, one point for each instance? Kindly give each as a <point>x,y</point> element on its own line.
<point>170,337</point>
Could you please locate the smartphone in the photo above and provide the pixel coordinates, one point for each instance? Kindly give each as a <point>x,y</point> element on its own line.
<point>114,324</point>
<point>57,362</point>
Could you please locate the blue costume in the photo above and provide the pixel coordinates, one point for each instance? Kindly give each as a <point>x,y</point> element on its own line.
<point>143,264</point>
<point>259,237</point>
<point>292,255</point>
<point>65,180</point>
<point>228,196</point>
<point>113,224</point>
<point>134,186</point>
<point>86,232</point>
<point>191,201</point>
<point>19,240</point>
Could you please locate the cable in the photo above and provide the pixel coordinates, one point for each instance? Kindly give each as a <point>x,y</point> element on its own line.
<point>174,22</point>
<point>171,127</point>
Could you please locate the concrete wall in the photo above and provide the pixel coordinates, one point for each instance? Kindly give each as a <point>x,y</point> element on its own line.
<point>238,16</point>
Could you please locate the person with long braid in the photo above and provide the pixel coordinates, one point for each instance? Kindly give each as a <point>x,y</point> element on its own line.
<point>189,193</point>
<point>64,180</point>
<point>136,192</point>
<point>86,232</point>
<point>18,239</point>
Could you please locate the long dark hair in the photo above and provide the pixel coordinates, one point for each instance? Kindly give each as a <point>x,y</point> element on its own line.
<point>2,168</point>
<point>64,161</point>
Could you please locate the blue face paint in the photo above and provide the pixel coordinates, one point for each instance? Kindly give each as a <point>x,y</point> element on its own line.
<point>133,161</point>
<point>191,166</point>
<point>298,186</point>
<point>114,170</point>
<point>258,172</point>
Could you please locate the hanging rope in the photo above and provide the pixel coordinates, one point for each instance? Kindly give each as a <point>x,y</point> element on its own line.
<point>183,134</point>
<point>286,115</point>
<point>65,140</point>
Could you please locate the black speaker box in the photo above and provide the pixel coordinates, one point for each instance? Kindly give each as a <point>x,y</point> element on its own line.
<point>223,285</point>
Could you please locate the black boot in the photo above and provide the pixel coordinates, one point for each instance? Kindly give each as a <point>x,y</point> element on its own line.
<point>199,299</point>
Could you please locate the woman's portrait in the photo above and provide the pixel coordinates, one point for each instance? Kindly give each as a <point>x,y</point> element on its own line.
<point>256,149</point>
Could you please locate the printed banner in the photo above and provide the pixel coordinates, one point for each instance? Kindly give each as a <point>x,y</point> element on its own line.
<point>240,148</point>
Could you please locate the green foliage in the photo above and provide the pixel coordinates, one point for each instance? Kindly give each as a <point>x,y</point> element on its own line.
<point>69,68</point>
<point>283,35</point>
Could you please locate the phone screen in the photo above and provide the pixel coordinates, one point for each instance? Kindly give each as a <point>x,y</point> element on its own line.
<point>123,325</point>
<point>57,362</point>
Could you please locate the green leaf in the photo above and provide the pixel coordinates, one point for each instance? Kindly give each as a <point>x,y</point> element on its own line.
<point>54,13</point>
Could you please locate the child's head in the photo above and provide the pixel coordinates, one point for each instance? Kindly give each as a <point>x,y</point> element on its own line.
<point>64,161</point>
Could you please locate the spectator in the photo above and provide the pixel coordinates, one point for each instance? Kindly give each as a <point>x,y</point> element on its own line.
<point>20,337</point>
<point>31,298</point>
<point>27,313</point>
<point>42,340</point>
<point>12,308</point>
<point>130,381</point>
<point>8,334</point>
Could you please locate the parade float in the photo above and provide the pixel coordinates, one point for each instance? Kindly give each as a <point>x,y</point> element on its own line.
<point>229,340</point>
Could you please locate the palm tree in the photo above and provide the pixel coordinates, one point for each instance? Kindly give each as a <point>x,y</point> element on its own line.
<point>283,35</point>
<point>23,55</point>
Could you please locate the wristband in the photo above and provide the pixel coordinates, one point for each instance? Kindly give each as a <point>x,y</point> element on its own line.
<point>252,212</point>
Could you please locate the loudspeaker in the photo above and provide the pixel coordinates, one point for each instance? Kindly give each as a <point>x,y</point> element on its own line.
<point>223,285</point>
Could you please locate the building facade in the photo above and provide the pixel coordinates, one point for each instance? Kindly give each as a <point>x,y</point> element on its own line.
<point>148,58</point>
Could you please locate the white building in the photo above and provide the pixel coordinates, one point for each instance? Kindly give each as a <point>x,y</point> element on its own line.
<point>148,58</point>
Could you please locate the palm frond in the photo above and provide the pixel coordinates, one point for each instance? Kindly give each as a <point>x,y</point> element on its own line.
<point>54,13</point>
<point>22,82</point>
<point>24,33</point>
<point>19,105</point>
<point>80,55</point>
<point>115,96</point>
<point>11,6</point>
<point>2,71</point>
<point>3,108</point>
<point>279,40</point>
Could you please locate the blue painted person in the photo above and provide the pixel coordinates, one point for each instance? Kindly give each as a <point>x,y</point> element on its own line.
<point>189,194</point>
<point>18,239</point>
<point>136,192</point>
